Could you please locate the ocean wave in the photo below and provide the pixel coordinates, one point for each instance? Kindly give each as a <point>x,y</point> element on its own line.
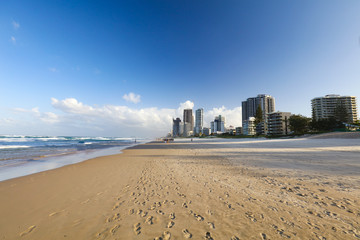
<point>13,146</point>
<point>31,138</point>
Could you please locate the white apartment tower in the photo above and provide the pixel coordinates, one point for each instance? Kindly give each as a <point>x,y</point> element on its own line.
<point>325,107</point>
<point>199,120</point>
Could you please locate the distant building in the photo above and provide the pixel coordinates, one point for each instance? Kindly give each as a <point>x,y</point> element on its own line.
<point>238,130</point>
<point>267,104</point>
<point>230,130</point>
<point>218,125</point>
<point>199,120</point>
<point>206,131</point>
<point>187,129</point>
<point>324,107</point>
<point>188,122</point>
<point>278,123</point>
<point>176,127</point>
<point>248,126</point>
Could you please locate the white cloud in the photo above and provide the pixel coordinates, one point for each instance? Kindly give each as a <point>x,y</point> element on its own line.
<point>16,25</point>
<point>13,40</point>
<point>132,97</point>
<point>72,117</point>
<point>46,117</point>
<point>185,105</point>
<point>232,116</point>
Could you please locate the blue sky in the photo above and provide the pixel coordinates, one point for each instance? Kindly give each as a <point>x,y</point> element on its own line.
<point>126,68</point>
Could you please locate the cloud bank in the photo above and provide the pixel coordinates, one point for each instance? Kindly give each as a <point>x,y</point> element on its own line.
<point>72,117</point>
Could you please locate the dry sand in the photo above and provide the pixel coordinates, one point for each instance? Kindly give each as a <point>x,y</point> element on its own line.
<point>212,189</point>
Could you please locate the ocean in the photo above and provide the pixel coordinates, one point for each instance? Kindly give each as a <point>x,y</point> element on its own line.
<point>24,155</point>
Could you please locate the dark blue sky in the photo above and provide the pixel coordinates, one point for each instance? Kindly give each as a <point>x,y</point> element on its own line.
<point>213,53</point>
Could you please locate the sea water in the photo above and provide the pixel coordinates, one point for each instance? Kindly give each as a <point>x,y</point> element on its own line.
<point>24,155</point>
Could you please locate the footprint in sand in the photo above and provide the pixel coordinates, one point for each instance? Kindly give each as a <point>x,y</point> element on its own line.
<point>160,212</point>
<point>27,231</point>
<point>198,217</point>
<point>55,213</point>
<point>170,224</point>
<point>149,220</point>
<point>114,229</point>
<point>166,235</point>
<point>212,225</point>
<point>208,236</point>
<point>172,216</point>
<point>137,228</point>
<point>263,236</point>
<point>116,216</point>
<point>186,233</point>
<point>144,214</point>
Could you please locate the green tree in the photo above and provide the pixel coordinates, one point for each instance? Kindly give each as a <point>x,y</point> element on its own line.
<point>299,124</point>
<point>341,113</point>
<point>258,115</point>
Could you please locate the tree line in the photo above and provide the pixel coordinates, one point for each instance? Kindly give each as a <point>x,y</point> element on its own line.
<point>300,124</point>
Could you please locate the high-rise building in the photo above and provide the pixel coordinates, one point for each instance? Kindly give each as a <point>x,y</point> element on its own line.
<point>248,126</point>
<point>176,127</point>
<point>278,123</point>
<point>325,107</point>
<point>249,107</point>
<point>199,120</point>
<point>266,102</point>
<point>188,122</point>
<point>218,125</point>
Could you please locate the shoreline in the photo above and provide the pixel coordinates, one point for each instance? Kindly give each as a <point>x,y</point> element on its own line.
<point>45,163</point>
<point>217,189</point>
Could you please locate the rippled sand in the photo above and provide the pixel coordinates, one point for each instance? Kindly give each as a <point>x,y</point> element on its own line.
<point>207,189</point>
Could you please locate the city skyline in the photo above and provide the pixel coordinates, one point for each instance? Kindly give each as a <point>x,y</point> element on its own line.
<point>127,68</point>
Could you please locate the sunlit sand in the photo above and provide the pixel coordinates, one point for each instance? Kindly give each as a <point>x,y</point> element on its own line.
<point>206,189</point>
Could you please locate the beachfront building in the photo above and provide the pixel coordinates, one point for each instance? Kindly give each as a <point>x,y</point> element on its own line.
<point>248,126</point>
<point>326,107</point>
<point>238,131</point>
<point>199,120</point>
<point>230,130</point>
<point>188,125</point>
<point>206,131</point>
<point>267,104</point>
<point>218,125</point>
<point>278,123</point>
<point>176,127</point>
<point>187,129</point>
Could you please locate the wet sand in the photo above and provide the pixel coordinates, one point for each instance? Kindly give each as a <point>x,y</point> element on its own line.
<point>206,189</point>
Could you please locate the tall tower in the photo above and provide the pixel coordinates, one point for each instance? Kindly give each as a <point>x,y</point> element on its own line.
<point>176,127</point>
<point>188,122</point>
<point>266,102</point>
<point>199,120</point>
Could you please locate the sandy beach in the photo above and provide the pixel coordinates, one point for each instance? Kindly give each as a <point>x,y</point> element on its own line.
<point>305,188</point>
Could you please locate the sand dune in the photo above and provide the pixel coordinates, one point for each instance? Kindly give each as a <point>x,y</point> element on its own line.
<point>200,190</point>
